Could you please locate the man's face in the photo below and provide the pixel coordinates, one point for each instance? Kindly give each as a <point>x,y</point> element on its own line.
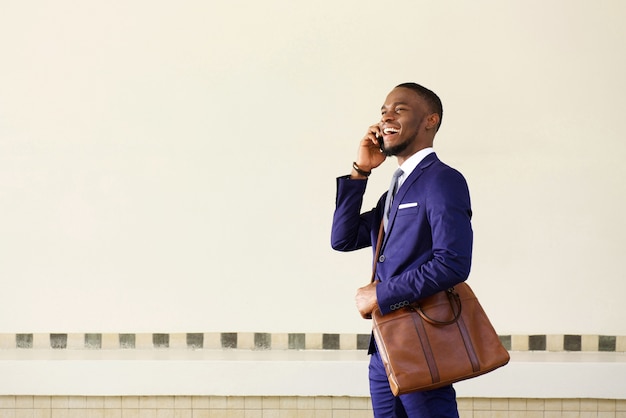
<point>402,123</point>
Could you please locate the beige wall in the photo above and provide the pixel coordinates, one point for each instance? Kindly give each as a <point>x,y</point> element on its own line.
<point>142,144</point>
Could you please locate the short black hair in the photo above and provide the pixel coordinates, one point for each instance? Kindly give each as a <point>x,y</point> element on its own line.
<point>433,101</point>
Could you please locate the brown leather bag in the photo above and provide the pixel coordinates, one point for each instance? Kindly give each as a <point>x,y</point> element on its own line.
<point>437,341</point>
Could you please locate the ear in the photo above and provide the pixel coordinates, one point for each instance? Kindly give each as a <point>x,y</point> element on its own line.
<point>432,121</point>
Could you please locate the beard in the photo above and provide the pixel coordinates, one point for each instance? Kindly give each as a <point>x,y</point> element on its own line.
<point>396,149</point>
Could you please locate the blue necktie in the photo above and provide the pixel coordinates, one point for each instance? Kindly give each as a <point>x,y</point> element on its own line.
<point>393,188</point>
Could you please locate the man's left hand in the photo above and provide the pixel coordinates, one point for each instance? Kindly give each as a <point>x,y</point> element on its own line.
<point>366,299</point>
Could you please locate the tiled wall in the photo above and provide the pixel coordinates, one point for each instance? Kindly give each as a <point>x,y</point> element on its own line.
<point>182,407</point>
<point>287,407</point>
<point>264,407</point>
<point>542,408</point>
<point>287,341</point>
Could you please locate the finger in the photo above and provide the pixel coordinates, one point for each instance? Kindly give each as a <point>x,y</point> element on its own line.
<point>375,130</point>
<point>371,139</point>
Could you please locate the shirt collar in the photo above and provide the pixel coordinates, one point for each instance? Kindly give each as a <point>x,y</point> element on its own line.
<point>409,165</point>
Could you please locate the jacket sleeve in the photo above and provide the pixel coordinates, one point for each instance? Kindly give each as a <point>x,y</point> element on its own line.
<point>351,230</point>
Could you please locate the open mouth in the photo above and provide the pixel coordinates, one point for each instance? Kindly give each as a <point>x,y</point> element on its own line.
<point>390,131</point>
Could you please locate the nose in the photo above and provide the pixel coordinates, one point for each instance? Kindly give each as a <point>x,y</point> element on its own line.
<point>387,116</point>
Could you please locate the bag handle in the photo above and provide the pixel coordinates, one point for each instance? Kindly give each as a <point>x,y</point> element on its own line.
<point>453,298</point>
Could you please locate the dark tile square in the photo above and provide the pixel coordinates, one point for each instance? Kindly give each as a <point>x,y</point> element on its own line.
<point>127,341</point>
<point>24,340</point>
<point>297,341</point>
<point>330,341</point>
<point>506,341</point>
<point>161,340</point>
<point>537,342</point>
<point>262,341</point>
<point>93,341</point>
<point>572,342</point>
<point>229,339</point>
<point>363,341</point>
<point>607,343</point>
<point>195,340</point>
<point>58,341</point>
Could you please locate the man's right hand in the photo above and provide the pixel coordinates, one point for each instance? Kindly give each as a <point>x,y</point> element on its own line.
<point>369,155</point>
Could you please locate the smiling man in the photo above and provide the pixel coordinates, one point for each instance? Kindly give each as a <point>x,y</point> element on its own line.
<point>427,243</point>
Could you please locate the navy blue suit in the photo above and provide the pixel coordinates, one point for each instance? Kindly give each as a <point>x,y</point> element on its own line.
<point>427,248</point>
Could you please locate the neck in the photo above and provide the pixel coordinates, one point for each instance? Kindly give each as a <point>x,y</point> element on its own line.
<point>403,158</point>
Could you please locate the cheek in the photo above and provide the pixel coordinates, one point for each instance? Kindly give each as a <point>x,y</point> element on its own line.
<point>422,124</point>
<point>413,127</point>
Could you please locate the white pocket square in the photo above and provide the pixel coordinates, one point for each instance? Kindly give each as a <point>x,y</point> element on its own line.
<point>407,205</point>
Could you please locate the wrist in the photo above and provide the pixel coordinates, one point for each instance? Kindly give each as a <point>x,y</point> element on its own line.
<point>361,171</point>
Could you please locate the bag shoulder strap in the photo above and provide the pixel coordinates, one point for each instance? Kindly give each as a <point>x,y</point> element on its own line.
<point>379,242</point>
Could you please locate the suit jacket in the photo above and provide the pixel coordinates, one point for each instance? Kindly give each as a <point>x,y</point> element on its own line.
<point>428,244</point>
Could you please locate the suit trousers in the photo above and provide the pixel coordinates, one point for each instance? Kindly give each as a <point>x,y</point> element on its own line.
<point>438,403</point>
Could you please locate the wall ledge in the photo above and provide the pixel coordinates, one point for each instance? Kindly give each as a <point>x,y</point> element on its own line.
<point>287,373</point>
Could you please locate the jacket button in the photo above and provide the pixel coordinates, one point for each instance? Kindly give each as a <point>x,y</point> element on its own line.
<point>381,258</point>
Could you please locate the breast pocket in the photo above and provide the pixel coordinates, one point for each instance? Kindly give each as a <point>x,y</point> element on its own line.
<point>410,208</point>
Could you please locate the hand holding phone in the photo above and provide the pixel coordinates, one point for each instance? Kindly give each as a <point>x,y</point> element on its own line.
<point>371,150</point>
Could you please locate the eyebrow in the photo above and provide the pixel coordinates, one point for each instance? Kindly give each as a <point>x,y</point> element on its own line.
<point>395,104</point>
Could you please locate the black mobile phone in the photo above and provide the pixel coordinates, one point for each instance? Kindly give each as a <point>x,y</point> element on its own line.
<point>381,144</point>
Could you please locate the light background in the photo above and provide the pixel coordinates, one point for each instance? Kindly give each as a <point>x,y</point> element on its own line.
<point>145,145</point>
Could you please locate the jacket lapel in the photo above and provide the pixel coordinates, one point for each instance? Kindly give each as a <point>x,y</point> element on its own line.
<point>408,183</point>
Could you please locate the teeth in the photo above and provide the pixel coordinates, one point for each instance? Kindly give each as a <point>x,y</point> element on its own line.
<point>391,131</point>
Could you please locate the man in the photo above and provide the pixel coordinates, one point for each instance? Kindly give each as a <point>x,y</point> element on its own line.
<point>427,244</point>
